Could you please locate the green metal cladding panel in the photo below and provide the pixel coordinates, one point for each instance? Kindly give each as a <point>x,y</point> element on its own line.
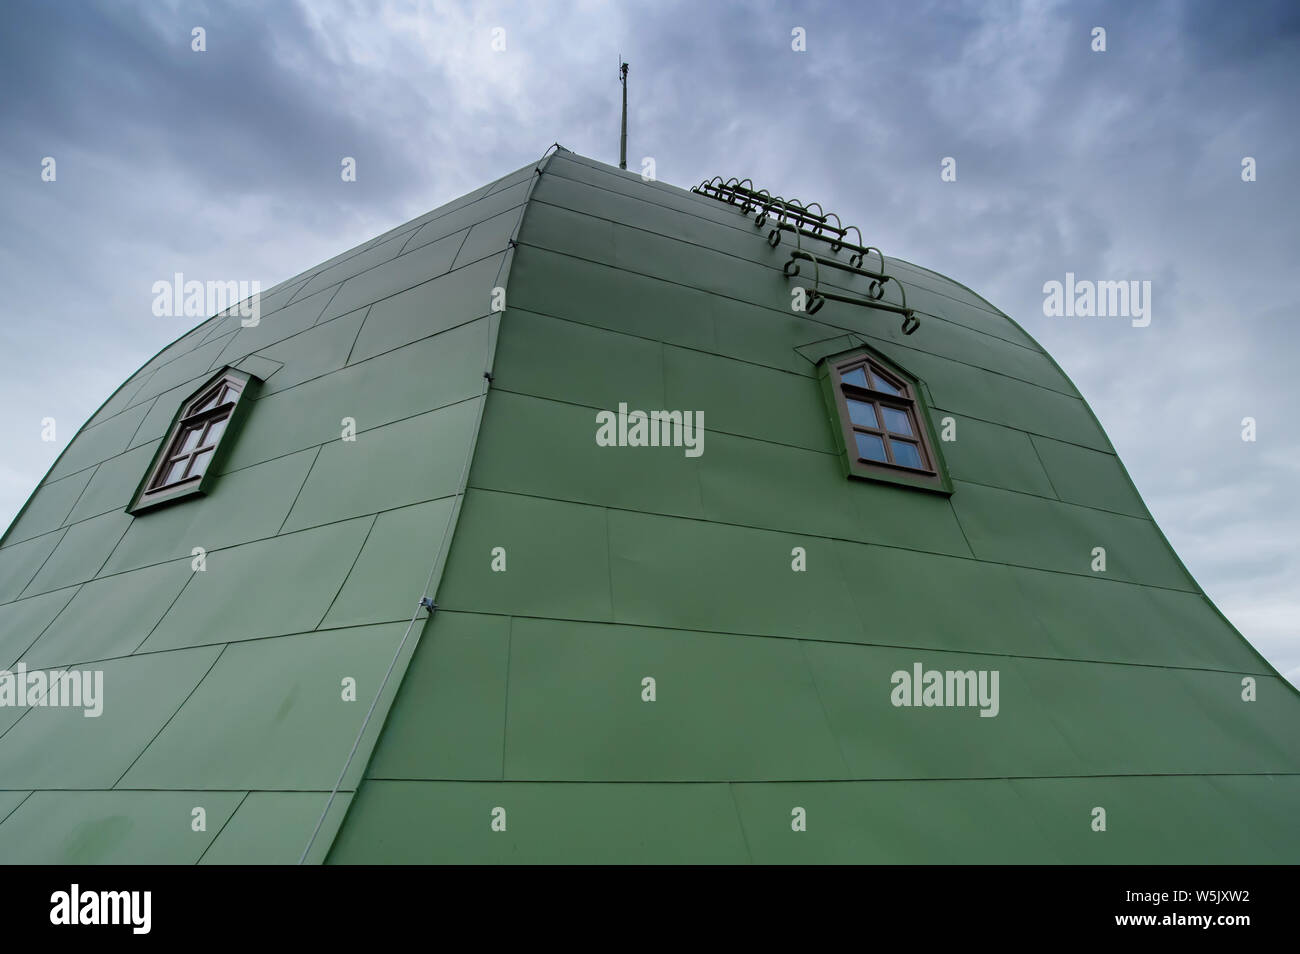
<point>521,731</point>
<point>637,655</point>
<point>242,635</point>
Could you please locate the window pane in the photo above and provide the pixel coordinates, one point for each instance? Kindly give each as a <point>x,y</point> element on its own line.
<point>862,413</point>
<point>881,384</point>
<point>190,440</point>
<point>896,420</point>
<point>906,454</point>
<point>214,432</point>
<point>870,446</point>
<point>200,463</point>
<point>857,376</point>
<point>207,402</point>
<point>174,472</point>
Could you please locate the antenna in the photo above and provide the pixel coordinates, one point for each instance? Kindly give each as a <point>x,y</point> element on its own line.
<point>622,143</point>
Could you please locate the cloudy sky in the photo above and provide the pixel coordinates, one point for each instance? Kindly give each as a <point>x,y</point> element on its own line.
<point>1116,165</point>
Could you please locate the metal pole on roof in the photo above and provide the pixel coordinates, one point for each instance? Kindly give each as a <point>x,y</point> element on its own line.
<point>622,145</point>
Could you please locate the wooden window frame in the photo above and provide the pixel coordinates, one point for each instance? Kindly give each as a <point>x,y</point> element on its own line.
<point>235,391</point>
<point>910,401</point>
<point>202,422</point>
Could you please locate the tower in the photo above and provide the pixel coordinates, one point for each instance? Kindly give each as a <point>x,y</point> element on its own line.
<point>635,652</point>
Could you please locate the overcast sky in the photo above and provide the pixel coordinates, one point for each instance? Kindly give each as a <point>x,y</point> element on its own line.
<point>1115,165</point>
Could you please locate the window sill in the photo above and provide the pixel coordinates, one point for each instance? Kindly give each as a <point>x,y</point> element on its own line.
<point>169,495</point>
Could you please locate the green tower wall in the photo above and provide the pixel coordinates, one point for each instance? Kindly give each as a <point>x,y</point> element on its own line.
<point>520,702</point>
<point>223,689</point>
<point>1120,690</point>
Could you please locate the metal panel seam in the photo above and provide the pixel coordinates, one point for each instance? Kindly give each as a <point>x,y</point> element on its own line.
<point>448,529</point>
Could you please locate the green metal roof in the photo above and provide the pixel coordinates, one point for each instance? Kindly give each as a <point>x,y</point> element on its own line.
<point>524,692</point>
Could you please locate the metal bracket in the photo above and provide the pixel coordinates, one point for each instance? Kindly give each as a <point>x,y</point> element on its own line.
<point>811,221</point>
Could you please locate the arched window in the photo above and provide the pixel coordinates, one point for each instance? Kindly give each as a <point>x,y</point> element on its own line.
<point>885,428</point>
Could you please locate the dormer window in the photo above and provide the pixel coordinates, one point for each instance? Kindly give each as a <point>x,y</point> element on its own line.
<point>197,436</point>
<point>184,464</point>
<point>885,430</point>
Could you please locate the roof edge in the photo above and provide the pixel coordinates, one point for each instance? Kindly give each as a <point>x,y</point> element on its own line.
<point>434,580</point>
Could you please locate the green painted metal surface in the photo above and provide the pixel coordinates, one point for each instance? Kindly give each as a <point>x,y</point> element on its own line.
<point>242,636</point>
<point>518,724</point>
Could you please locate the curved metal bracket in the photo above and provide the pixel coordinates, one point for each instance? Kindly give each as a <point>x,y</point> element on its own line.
<point>817,298</point>
<point>810,219</point>
<point>857,258</point>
